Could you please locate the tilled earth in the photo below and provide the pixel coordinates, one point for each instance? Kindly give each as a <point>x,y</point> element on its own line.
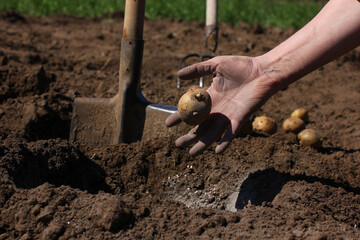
<point>261,187</point>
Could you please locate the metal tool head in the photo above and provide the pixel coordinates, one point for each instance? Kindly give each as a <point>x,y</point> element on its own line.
<point>97,121</point>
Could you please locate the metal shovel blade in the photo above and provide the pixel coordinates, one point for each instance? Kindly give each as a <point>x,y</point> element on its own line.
<point>96,121</point>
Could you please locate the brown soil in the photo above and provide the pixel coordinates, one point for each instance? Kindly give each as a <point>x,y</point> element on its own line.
<point>261,187</point>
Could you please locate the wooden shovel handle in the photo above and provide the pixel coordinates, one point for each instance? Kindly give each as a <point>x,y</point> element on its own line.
<point>211,29</point>
<point>131,51</point>
<point>211,12</point>
<point>134,19</point>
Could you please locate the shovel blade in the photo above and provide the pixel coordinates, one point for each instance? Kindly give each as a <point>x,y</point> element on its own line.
<point>98,121</point>
<point>94,122</point>
<point>154,126</point>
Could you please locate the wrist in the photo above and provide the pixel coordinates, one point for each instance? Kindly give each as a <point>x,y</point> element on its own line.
<point>273,70</point>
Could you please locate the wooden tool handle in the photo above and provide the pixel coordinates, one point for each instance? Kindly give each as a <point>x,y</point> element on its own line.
<point>211,12</point>
<point>131,50</point>
<point>211,29</point>
<point>134,19</point>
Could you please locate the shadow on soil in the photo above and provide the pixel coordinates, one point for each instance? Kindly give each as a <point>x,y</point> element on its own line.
<point>263,186</point>
<point>53,161</point>
<point>52,120</point>
<point>47,128</point>
<point>330,150</point>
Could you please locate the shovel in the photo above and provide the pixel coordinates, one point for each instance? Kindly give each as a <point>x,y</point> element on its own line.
<point>128,116</point>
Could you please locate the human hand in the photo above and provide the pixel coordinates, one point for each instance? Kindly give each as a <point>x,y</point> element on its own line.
<point>242,84</point>
<point>238,89</point>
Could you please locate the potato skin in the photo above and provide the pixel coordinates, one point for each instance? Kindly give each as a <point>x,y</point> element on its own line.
<point>301,113</point>
<point>264,125</point>
<point>194,106</point>
<point>294,125</point>
<point>309,137</point>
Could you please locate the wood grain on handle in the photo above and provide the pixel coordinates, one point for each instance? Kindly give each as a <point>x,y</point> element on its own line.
<point>134,19</point>
<point>211,12</point>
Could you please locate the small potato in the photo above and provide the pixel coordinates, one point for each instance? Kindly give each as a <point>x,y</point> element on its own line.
<point>265,125</point>
<point>194,106</point>
<point>293,125</point>
<point>301,113</point>
<point>309,137</point>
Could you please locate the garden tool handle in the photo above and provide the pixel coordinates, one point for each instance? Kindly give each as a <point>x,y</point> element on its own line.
<point>134,19</point>
<point>130,113</point>
<point>211,28</point>
<point>132,45</point>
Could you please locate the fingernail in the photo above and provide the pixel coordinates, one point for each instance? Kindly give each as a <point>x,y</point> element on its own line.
<point>195,153</point>
<point>218,149</point>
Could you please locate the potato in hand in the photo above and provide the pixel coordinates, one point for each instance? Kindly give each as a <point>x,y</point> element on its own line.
<point>194,106</point>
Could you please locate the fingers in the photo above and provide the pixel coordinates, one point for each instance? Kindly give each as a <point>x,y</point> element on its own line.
<point>228,137</point>
<point>191,137</point>
<point>196,133</point>
<point>205,142</point>
<point>206,134</point>
<point>197,70</point>
<point>173,119</point>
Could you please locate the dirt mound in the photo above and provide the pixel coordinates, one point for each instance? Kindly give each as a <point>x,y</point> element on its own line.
<point>261,187</point>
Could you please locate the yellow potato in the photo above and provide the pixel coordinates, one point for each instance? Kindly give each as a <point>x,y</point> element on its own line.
<point>309,137</point>
<point>293,125</point>
<point>264,124</point>
<point>300,113</point>
<point>194,106</point>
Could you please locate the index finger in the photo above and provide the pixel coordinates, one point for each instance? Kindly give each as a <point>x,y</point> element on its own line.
<point>197,70</point>
<point>173,119</point>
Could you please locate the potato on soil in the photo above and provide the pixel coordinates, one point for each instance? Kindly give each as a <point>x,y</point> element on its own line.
<point>294,125</point>
<point>194,106</point>
<point>264,125</point>
<point>301,113</point>
<point>309,137</point>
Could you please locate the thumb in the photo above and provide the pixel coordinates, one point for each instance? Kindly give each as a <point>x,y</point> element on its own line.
<point>197,70</point>
<point>173,119</point>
